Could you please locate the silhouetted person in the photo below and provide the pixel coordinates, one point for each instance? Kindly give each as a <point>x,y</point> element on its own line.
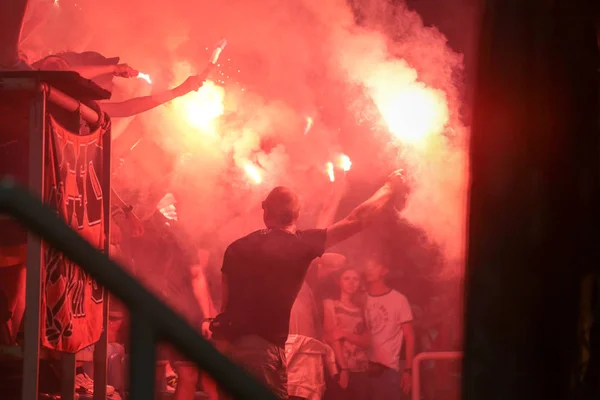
<point>263,273</point>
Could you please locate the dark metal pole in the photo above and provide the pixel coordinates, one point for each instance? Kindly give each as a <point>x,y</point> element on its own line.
<point>33,282</point>
<point>533,223</point>
<point>142,360</point>
<point>101,348</point>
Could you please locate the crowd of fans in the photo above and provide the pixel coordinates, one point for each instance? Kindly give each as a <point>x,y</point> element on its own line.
<point>348,333</point>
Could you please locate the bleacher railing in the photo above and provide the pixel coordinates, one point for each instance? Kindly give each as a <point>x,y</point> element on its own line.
<point>429,356</point>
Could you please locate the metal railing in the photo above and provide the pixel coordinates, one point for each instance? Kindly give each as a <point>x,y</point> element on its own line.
<point>40,95</point>
<point>428,356</point>
<point>151,319</point>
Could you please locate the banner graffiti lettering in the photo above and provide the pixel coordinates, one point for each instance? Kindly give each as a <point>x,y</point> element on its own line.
<point>73,302</point>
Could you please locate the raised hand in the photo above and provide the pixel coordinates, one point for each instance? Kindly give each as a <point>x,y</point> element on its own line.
<point>192,83</point>
<point>125,71</point>
<point>398,179</point>
<point>400,187</point>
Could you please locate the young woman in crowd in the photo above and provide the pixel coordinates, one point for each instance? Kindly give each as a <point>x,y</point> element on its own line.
<point>346,332</point>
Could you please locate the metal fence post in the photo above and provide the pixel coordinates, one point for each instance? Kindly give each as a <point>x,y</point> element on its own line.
<point>34,285</point>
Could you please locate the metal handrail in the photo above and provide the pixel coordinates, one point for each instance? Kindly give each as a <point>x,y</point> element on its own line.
<point>416,367</point>
<point>53,95</point>
<point>151,318</point>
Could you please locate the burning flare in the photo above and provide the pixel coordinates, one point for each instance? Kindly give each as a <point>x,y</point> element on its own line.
<point>344,163</point>
<point>145,77</point>
<point>413,113</point>
<point>309,124</point>
<point>202,108</point>
<point>217,51</point>
<point>253,172</point>
<point>166,206</point>
<point>330,171</point>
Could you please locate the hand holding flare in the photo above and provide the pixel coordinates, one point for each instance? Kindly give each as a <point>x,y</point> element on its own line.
<point>195,82</point>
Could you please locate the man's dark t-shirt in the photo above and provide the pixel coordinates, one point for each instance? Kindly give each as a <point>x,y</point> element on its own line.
<point>264,272</point>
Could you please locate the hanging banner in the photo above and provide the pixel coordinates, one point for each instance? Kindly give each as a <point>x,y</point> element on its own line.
<point>72,302</point>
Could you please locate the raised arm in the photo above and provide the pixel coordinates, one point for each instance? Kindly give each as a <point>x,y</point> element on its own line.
<point>138,105</point>
<point>92,71</point>
<point>58,63</point>
<point>365,213</point>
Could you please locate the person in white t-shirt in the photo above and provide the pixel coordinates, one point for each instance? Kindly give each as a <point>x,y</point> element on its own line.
<point>389,319</point>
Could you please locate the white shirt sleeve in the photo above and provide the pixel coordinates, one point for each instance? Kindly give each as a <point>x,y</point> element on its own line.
<point>404,312</point>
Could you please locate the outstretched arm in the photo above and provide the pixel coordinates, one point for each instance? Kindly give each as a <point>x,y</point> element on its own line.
<point>58,63</point>
<point>92,71</point>
<point>138,105</point>
<point>365,213</point>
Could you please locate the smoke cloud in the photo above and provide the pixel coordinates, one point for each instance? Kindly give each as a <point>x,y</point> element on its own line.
<point>299,82</point>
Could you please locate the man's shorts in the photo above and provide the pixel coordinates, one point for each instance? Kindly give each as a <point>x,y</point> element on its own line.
<point>263,359</point>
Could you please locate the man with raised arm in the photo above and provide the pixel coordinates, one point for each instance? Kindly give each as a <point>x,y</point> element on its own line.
<point>263,272</point>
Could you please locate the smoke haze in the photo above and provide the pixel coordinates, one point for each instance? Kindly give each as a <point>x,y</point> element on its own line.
<point>387,93</point>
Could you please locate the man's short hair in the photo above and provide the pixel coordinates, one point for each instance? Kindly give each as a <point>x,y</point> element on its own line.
<point>282,205</point>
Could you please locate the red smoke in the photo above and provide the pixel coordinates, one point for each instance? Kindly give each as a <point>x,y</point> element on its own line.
<point>284,79</point>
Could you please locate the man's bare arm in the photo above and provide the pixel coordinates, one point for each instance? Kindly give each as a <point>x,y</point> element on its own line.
<point>406,375</point>
<point>201,287</point>
<point>365,213</point>
<point>409,339</point>
<point>92,71</point>
<point>359,218</point>
<point>138,105</point>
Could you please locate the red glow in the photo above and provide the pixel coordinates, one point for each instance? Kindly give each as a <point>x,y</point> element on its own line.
<point>281,94</point>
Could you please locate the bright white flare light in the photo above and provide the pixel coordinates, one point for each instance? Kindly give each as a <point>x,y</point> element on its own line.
<point>253,173</point>
<point>145,77</point>
<point>166,206</point>
<point>330,171</point>
<point>217,51</point>
<point>344,163</point>
<point>309,124</point>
